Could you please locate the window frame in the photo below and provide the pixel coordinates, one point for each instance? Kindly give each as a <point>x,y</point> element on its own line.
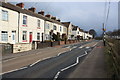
<point>38,23</point>
<point>54,27</point>
<point>47,26</point>
<point>4,36</point>
<point>4,15</point>
<point>60,28</point>
<point>38,36</point>
<point>24,19</point>
<point>24,36</point>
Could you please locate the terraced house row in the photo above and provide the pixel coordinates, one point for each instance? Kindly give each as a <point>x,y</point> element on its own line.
<point>20,25</point>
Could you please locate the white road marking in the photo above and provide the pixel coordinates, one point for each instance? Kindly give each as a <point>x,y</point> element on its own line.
<point>13,70</point>
<point>74,47</point>
<point>35,62</point>
<point>87,47</point>
<point>68,47</point>
<point>61,53</point>
<point>31,64</point>
<point>56,75</point>
<point>77,61</point>
<point>94,45</point>
<point>81,47</point>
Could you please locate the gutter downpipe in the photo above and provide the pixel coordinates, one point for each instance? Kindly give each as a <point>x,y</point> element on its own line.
<point>18,25</point>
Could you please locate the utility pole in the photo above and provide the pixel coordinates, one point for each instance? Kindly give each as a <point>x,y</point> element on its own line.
<point>104,34</point>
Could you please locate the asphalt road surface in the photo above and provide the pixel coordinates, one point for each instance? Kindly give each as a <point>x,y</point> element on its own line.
<point>50,67</point>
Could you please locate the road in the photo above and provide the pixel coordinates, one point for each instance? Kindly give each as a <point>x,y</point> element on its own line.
<point>50,68</point>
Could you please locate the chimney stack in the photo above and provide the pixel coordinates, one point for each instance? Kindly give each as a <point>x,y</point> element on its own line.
<point>41,12</point>
<point>21,5</point>
<point>48,15</point>
<point>58,20</point>
<point>32,9</point>
<point>54,18</point>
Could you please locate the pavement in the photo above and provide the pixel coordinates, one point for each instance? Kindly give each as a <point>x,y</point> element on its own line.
<point>93,66</point>
<point>13,55</point>
<point>47,67</point>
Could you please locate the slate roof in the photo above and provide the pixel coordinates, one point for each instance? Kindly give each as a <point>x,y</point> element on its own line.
<point>25,11</point>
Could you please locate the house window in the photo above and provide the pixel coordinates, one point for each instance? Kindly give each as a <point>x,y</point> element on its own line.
<point>78,32</point>
<point>4,36</point>
<point>38,23</point>
<point>54,27</point>
<point>47,26</point>
<point>24,20</point>
<point>60,28</point>
<point>4,15</point>
<point>64,29</point>
<point>38,36</point>
<point>24,37</point>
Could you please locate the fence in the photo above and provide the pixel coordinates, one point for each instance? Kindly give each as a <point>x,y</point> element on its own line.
<point>55,43</point>
<point>43,45</point>
<point>113,55</point>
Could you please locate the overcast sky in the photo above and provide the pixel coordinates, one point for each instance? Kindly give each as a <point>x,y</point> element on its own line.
<point>86,15</point>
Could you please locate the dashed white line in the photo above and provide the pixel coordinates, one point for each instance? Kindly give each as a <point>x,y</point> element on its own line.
<point>61,53</point>
<point>35,63</point>
<point>68,47</point>
<point>94,45</point>
<point>81,47</point>
<point>87,47</point>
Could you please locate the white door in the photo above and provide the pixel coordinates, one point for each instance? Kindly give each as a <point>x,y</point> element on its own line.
<point>13,36</point>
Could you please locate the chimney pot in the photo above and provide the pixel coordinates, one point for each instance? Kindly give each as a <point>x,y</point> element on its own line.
<point>54,18</point>
<point>21,5</point>
<point>48,15</point>
<point>32,9</point>
<point>58,20</point>
<point>41,12</point>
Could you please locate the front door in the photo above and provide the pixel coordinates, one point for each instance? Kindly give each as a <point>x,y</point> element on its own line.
<point>13,36</point>
<point>30,37</point>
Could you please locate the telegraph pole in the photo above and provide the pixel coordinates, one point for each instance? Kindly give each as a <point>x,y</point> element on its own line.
<point>104,34</point>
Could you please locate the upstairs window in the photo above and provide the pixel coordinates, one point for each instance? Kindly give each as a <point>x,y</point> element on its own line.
<point>4,15</point>
<point>54,27</point>
<point>64,29</point>
<point>24,20</point>
<point>38,23</point>
<point>60,28</point>
<point>47,26</point>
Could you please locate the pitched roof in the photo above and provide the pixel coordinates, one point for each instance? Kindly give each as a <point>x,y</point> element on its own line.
<point>66,24</point>
<point>74,28</point>
<point>25,11</point>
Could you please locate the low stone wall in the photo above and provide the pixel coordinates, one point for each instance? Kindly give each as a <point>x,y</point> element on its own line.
<point>55,43</point>
<point>61,42</point>
<point>21,47</point>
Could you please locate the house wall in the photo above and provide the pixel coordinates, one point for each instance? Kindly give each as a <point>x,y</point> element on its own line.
<point>70,31</point>
<point>10,25</point>
<point>32,26</point>
<point>47,31</point>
